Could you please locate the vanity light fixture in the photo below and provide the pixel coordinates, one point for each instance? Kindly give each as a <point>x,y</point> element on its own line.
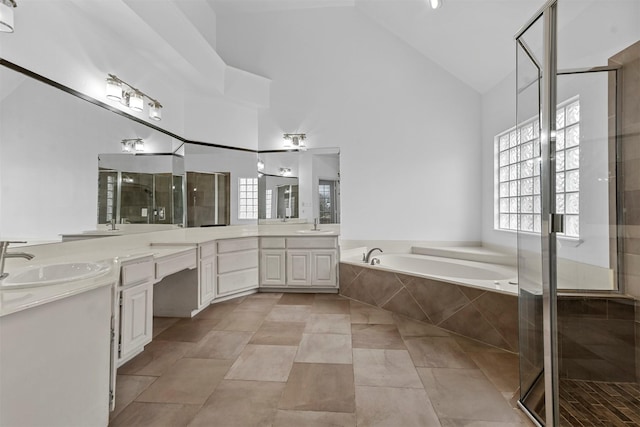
<point>295,140</point>
<point>6,15</point>
<point>260,165</point>
<point>285,171</point>
<point>133,145</point>
<point>435,4</point>
<point>119,90</point>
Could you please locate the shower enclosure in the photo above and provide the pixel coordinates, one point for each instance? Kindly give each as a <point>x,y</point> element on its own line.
<point>575,181</point>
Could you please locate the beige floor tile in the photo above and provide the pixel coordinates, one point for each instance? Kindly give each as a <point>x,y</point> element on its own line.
<point>140,414</point>
<point>330,296</point>
<point>502,369</point>
<point>265,295</point>
<point>314,419</point>
<point>220,345</point>
<point>384,368</point>
<point>376,336</point>
<point>413,328</point>
<point>470,345</point>
<point>260,305</point>
<point>217,310</point>
<point>319,387</point>
<point>362,313</point>
<point>160,324</point>
<point>445,422</point>
<point>279,333</point>
<point>324,348</point>
<point>438,352</point>
<point>394,407</point>
<point>188,330</point>
<point>240,404</point>
<point>263,363</point>
<point>328,324</point>
<point>156,358</point>
<point>289,313</point>
<point>330,306</point>
<point>247,321</point>
<point>297,299</point>
<point>128,387</point>
<point>466,394</point>
<point>188,381</point>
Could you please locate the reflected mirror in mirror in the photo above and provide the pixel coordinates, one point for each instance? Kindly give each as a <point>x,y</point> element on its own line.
<point>140,189</point>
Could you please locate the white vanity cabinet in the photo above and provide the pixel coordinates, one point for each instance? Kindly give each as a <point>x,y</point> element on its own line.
<point>237,266</point>
<point>135,314</point>
<point>207,273</point>
<point>299,262</point>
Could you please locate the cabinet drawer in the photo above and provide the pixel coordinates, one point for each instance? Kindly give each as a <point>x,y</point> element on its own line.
<point>272,243</point>
<point>237,261</point>
<point>235,245</point>
<point>137,272</point>
<point>237,281</point>
<point>174,264</point>
<point>208,249</point>
<point>311,242</point>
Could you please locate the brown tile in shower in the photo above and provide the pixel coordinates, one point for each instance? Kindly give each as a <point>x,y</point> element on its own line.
<point>404,304</point>
<point>469,322</point>
<point>621,308</point>
<point>582,307</point>
<point>319,387</point>
<point>382,285</point>
<point>376,336</point>
<point>296,299</point>
<point>438,300</point>
<point>501,311</point>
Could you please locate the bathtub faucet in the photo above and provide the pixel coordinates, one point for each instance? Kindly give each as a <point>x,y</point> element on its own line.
<point>367,257</point>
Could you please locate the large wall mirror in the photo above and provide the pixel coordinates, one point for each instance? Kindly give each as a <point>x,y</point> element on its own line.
<point>59,153</point>
<point>299,186</point>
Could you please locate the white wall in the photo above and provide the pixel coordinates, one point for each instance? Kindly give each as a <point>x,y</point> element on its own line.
<point>408,132</point>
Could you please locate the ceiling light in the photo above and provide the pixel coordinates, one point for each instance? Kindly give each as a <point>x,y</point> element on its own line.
<point>435,4</point>
<point>6,15</point>
<point>260,165</point>
<point>119,90</point>
<point>295,140</point>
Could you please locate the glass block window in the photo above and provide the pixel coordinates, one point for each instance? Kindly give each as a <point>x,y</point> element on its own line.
<point>248,198</point>
<point>518,177</point>
<point>267,201</point>
<point>325,202</point>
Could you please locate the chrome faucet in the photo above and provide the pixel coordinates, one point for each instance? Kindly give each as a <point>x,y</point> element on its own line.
<point>315,224</point>
<point>4,255</point>
<point>112,223</point>
<point>366,258</point>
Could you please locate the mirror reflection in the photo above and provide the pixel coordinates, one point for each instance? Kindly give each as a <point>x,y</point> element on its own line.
<point>300,185</point>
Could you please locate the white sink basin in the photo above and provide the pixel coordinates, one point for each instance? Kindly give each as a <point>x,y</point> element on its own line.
<point>54,273</point>
<point>314,231</point>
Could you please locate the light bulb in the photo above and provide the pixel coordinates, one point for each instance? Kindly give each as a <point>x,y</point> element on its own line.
<point>136,103</point>
<point>155,111</point>
<point>435,4</point>
<point>6,16</point>
<point>114,89</point>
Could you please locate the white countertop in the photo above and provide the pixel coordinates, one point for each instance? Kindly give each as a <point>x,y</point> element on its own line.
<point>119,249</point>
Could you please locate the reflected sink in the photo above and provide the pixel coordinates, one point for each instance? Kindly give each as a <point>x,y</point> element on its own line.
<point>314,231</point>
<point>54,273</point>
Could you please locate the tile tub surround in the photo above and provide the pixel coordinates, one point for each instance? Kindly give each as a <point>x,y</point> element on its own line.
<point>486,316</point>
<point>399,372</point>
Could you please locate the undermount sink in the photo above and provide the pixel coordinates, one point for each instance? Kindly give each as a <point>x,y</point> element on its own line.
<point>54,273</point>
<point>314,231</point>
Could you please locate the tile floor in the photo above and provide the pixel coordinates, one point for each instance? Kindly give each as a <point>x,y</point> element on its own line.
<point>313,360</point>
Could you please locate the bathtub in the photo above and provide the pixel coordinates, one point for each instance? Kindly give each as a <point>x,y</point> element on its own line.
<point>494,277</point>
<point>474,299</point>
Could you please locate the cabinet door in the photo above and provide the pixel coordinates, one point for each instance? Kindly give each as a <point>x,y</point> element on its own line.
<point>207,280</point>
<point>136,318</point>
<point>298,268</point>
<point>323,268</point>
<point>272,268</point>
